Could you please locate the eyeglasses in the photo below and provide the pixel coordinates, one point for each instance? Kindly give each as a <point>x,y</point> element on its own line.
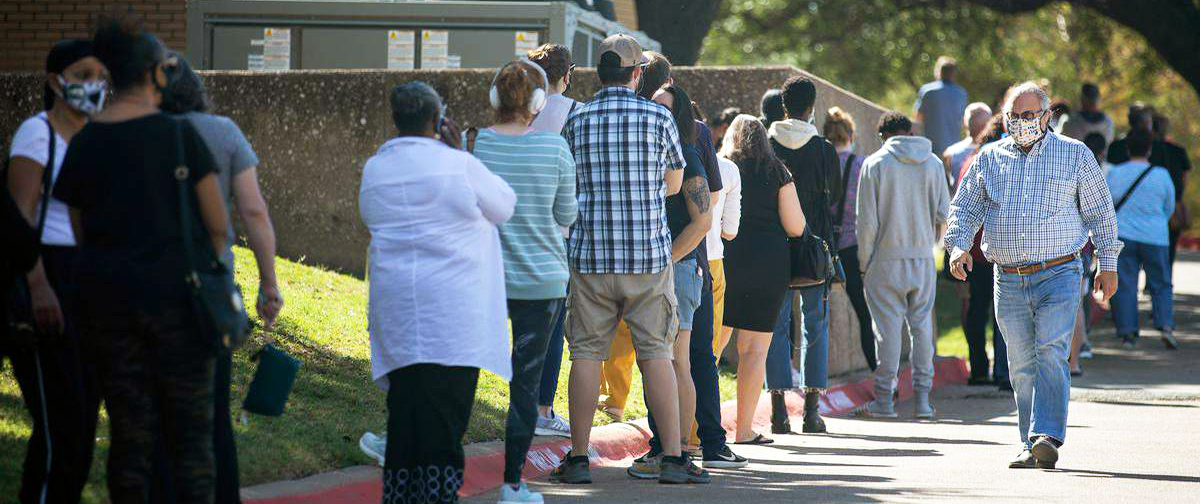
<point>1027,115</point>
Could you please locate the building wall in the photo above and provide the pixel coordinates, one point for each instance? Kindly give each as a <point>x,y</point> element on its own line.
<point>626,13</point>
<point>29,28</point>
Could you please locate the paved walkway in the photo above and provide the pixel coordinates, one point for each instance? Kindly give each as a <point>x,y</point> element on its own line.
<point>1134,436</point>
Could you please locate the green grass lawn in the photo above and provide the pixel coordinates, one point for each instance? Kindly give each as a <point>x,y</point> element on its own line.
<point>334,401</point>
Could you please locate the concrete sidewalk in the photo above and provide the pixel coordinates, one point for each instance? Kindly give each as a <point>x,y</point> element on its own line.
<point>1134,436</point>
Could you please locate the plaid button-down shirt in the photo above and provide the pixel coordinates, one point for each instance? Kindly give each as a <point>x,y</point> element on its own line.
<point>623,147</point>
<point>1035,206</point>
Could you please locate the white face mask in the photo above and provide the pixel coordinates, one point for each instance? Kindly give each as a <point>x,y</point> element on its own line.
<point>1025,132</point>
<point>87,97</point>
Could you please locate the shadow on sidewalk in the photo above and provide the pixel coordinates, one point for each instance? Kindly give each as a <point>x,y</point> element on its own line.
<point>1083,473</point>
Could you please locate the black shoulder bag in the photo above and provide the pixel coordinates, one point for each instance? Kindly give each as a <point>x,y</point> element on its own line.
<point>22,326</point>
<point>812,261</point>
<point>216,299</point>
<point>1125,197</point>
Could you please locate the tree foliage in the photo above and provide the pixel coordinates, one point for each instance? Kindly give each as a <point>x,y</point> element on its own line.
<point>884,50</point>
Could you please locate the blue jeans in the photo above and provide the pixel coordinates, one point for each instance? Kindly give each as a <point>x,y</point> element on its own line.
<point>1037,315</point>
<point>1134,257</point>
<point>704,377</point>
<point>814,350</point>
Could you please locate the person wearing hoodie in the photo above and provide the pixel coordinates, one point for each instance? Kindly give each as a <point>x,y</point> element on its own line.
<point>816,171</point>
<point>902,206</point>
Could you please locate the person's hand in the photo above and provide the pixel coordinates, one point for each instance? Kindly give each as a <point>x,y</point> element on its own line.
<point>270,302</point>
<point>46,310</point>
<point>1106,286</point>
<point>450,134</point>
<point>960,263</point>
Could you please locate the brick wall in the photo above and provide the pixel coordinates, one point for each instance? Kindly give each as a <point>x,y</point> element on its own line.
<point>28,28</point>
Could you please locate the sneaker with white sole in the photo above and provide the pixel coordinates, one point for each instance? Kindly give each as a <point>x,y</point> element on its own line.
<point>522,495</point>
<point>552,426</point>
<point>1085,352</point>
<point>374,446</point>
<point>724,459</point>
<point>877,409</point>
<point>646,467</point>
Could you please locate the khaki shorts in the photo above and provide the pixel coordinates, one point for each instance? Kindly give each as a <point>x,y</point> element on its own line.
<point>599,302</point>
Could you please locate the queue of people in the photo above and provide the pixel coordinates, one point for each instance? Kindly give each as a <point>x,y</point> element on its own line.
<point>621,226</point>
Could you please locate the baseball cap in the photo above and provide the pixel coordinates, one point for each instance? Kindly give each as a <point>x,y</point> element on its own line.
<point>626,48</point>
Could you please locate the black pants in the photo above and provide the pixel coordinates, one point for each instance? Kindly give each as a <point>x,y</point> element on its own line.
<point>58,385</point>
<point>428,409</point>
<point>156,376</point>
<point>532,323</point>
<point>704,377</point>
<point>858,299</point>
<point>979,310</point>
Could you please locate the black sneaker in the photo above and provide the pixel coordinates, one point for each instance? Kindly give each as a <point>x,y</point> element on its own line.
<point>724,459</point>
<point>1025,460</point>
<point>573,471</point>
<point>1129,342</point>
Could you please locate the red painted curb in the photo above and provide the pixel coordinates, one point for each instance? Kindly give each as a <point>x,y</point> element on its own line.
<point>617,444</point>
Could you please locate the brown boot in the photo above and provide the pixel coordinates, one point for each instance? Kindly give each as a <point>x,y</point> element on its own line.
<point>813,424</point>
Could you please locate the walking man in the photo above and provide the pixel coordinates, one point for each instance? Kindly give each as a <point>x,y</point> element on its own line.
<point>902,206</point>
<point>628,160</point>
<point>1037,196</point>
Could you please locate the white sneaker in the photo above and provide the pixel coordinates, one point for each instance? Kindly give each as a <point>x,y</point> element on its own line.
<point>373,446</point>
<point>522,495</point>
<point>553,426</point>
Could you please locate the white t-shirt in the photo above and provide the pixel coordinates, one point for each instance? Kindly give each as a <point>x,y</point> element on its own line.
<point>554,115</point>
<point>727,211</point>
<point>32,141</point>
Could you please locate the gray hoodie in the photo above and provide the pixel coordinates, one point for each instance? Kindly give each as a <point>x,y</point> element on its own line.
<point>902,200</point>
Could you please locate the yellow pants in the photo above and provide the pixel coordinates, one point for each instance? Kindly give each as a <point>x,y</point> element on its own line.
<point>616,374</point>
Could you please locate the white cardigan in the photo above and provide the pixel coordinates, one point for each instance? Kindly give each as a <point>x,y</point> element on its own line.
<point>435,269</point>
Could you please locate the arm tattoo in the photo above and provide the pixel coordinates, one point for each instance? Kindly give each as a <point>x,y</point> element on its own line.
<point>696,189</point>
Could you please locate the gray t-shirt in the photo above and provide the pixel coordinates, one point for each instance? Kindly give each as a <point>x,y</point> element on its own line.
<point>231,154</point>
<point>942,104</point>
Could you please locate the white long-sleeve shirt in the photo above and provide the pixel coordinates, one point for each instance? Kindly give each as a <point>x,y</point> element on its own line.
<point>435,269</point>
<point>727,211</point>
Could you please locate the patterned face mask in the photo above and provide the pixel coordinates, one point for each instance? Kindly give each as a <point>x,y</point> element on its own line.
<point>1025,131</point>
<point>87,97</point>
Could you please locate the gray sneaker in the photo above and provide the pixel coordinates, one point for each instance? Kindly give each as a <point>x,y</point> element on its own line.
<point>924,408</point>
<point>646,467</point>
<point>681,470</point>
<point>877,409</point>
<point>1168,339</point>
<point>573,471</point>
<point>1045,452</point>
<point>552,426</point>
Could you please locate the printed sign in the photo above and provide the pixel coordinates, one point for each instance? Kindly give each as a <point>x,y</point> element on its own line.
<point>277,49</point>
<point>435,48</point>
<point>400,49</point>
<point>454,61</point>
<point>525,42</point>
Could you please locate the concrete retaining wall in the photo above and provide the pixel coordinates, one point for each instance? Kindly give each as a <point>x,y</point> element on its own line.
<point>313,130</point>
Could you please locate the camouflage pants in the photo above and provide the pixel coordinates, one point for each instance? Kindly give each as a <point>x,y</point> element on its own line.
<point>156,377</point>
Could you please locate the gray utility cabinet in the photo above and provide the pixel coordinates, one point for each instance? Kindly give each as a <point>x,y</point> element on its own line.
<point>272,35</point>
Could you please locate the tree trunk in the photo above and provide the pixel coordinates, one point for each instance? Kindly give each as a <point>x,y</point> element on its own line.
<point>680,25</point>
<point>1169,26</point>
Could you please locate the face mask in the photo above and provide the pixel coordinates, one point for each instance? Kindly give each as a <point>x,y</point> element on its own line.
<point>87,97</point>
<point>1025,131</point>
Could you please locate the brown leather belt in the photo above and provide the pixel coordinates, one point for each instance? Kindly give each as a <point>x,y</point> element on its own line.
<point>1030,269</point>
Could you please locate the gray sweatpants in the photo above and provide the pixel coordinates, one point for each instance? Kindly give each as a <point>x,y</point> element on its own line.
<point>900,291</point>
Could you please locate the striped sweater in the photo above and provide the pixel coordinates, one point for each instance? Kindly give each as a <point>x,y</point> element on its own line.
<point>541,170</point>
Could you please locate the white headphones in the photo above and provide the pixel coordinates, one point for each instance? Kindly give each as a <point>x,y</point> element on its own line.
<point>537,101</point>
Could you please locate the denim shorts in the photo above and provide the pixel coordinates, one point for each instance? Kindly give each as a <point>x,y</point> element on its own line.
<point>688,286</point>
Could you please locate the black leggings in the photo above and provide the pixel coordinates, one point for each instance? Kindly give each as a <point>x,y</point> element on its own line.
<point>854,290</point>
<point>428,409</point>
<point>58,384</point>
<point>532,323</point>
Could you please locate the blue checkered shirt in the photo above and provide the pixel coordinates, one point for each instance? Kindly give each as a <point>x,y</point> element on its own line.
<point>1035,206</point>
<point>623,146</point>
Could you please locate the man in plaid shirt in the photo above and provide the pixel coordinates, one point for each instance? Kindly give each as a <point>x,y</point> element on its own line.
<point>1038,197</point>
<point>628,160</point>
